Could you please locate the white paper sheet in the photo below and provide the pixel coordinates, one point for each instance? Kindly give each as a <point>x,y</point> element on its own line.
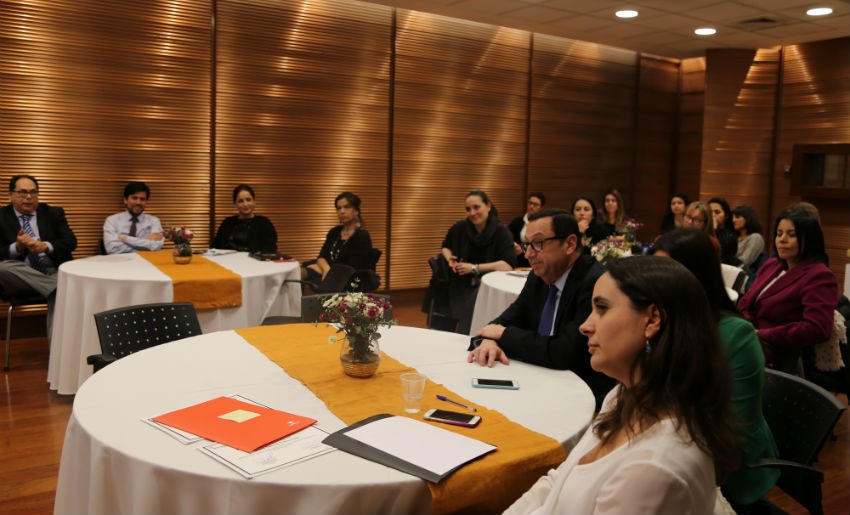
<point>419,443</point>
<point>295,448</point>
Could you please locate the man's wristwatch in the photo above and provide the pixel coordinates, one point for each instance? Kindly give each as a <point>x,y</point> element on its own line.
<point>475,269</point>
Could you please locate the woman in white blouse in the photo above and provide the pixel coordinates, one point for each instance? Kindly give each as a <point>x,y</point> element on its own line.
<point>661,442</point>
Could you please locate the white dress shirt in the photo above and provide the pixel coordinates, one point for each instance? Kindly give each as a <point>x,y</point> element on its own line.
<point>119,225</point>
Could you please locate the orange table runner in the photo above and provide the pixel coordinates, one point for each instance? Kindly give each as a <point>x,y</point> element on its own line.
<point>487,485</point>
<point>205,284</point>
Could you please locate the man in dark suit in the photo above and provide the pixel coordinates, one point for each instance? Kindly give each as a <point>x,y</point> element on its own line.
<point>541,327</point>
<point>34,240</point>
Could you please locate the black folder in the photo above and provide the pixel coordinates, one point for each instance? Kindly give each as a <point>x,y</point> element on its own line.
<point>345,443</point>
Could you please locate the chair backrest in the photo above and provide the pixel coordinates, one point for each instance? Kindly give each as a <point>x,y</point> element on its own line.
<point>733,277</point>
<point>336,279</point>
<point>800,414</point>
<point>311,306</point>
<point>126,330</point>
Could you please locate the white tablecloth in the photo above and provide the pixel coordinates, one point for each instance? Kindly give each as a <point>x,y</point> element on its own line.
<point>99,283</point>
<point>497,291</point>
<point>114,463</point>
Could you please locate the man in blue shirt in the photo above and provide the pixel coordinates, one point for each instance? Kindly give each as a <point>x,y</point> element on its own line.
<point>133,229</point>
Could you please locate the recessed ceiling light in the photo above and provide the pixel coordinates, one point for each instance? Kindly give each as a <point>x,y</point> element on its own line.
<point>705,31</point>
<point>819,11</point>
<point>626,13</point>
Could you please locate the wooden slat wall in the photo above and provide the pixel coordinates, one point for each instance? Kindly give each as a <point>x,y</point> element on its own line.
<point>303,113</point>
<point>459,124</point>
<point>94,94</point>
<point>582,119</point>
<point>686,174</point>
<point>815,108</point>
<point>740,104</point>
<point>656,139</point>
<point>304,99</point>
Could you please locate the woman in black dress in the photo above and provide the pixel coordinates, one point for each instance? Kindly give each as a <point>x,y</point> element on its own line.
<point>347,243</point>
<point>246,231</point>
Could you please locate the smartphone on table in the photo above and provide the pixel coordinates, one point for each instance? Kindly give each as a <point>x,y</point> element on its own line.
<point>452,417</point>
<point>504,384</point>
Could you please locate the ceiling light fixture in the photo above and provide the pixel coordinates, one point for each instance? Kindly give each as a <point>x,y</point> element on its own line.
<point>705,31</point>
<point>626,13</point>
<point>819,11</point>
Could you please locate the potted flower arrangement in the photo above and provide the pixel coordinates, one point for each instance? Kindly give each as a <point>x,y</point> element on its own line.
<point>614,247</point>
<point>358,315</point>
<point>628,229</point>
<point>181,237</point>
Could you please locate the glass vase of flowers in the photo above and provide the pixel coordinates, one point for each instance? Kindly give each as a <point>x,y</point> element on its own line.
<point>357,315</point>
<point>181,237</point>
<point>613,247</point>
<point>628,230</point>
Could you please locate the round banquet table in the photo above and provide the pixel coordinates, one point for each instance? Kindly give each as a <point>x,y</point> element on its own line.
<point>497,291</point>
<point>112,462</point>
<point>99,283</point>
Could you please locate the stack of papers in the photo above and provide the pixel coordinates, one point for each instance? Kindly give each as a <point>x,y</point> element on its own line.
<point>244,431</point>
<point>235,423</point>
<point>415,447</point>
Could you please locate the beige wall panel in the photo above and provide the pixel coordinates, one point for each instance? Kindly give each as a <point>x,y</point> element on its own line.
<point>303,112</point>
<point>740,100</point>
<point>95,94</point>
<point>459,125</point>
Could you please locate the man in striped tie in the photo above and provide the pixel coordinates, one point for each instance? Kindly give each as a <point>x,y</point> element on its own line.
<point>541,327</point>
<point>133,229</point>
<point>34,240</point>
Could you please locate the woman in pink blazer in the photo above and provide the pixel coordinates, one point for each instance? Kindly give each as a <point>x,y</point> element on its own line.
<point>794,295</point>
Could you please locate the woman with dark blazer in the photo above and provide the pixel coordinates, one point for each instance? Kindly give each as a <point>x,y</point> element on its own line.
<point>793,298</point>
<point>246,231</point>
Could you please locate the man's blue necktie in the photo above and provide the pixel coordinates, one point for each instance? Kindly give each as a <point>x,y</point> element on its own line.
<point>33,258</point>
<point>132,232</point>
<point>547,319</point>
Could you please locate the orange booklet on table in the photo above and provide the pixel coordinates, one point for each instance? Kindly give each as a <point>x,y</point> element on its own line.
<point>235,423</point>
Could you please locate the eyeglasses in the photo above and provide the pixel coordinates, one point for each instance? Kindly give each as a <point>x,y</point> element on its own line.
<point>537,245</point>
<point>26,193</point>
<point>693,219</point>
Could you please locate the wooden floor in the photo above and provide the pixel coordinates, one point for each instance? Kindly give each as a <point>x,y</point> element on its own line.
<point>33,419</point>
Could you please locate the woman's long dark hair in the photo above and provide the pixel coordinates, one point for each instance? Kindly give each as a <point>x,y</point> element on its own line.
<point>727,211</point>
<point>809,234</point>
<point>693,248</point>
<point>685,374</point>
<point>751,223</point>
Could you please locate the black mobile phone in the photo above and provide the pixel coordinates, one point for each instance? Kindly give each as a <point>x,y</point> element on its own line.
<point>452,417</point>
<point>474,342</point>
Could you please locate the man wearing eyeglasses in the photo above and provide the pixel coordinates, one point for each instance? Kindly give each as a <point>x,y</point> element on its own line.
<point>34,240</point>
<point>133,229</point>
<point>541,327</point>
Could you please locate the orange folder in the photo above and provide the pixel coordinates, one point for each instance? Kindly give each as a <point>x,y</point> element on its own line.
<point>235,423</point>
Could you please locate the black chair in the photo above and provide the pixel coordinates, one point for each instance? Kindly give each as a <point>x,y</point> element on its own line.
<point>126,330</point>
<point>801,416</point>
<point>15,301</point>
<point>311,309</point>
<point>367,279</point>
<point>436,302</point>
